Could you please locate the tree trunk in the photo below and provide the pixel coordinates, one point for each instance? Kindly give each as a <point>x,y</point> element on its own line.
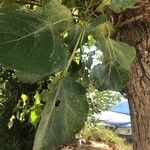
<point>136,32</point>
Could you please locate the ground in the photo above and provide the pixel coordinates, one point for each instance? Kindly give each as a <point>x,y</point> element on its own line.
<point>92,145</point>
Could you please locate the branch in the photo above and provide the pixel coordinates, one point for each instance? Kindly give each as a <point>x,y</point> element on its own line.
<point>134,19</point>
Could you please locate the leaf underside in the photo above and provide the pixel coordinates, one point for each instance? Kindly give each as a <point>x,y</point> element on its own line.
<point>109,76</point>
<point>116,51</point>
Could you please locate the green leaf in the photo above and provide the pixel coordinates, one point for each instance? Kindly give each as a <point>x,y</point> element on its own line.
<point>119,5</point>
<point>36,110</point>
<point>63,116</point>
<point>33,118</point>
<point>116,51</point>
<point>45,95</point>
<point>96,22</point>
<point>24,98</point>
<point>29,77</point>
<point>106,29</point>
<point>73,35</point>
<point>37,98</point>
<point>58,15</point>
<point>29,44</point>
<point>103,30</point>
<point>35,114</point>
<point>109,76</point>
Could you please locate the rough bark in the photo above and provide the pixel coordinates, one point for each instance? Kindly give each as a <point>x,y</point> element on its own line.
<point>137,34</point>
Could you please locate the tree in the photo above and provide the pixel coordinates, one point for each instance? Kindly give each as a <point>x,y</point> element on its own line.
<point>136,33</point>
<point>44,48</point>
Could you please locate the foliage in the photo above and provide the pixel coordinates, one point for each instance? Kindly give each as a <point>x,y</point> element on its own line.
<point>43,47</point>
<point>21,134</point>
<point>102,100</point>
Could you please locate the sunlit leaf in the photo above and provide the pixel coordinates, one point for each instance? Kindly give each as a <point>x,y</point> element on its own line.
<point>37,98</point>
<point>63,116</point>
<point>36,110</point>
<point>11,121</point>
<point>35,114</point>
<point>33,117</point>
<point>24,98</point>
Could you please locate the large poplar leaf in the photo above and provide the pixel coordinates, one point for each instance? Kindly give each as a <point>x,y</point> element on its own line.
<point>29,77</point>
<point>116,51</point>
<point>29,44</point>
<point>58,15</point>
<point>109,76</point>
<point>63,116</point>
<point>119,5</point>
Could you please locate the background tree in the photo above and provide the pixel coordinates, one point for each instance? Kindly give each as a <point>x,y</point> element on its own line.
<point>45,50</point>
